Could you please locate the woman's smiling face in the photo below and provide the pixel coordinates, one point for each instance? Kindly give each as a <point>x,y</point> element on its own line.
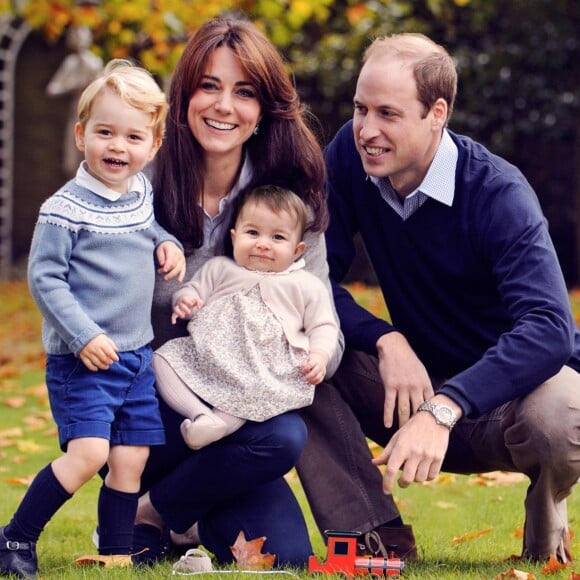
<point>224,109</point>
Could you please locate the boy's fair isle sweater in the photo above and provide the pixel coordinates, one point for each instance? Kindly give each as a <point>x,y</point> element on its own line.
<point>91,267</point>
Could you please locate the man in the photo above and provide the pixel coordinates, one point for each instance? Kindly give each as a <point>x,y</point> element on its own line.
<point>478,371</point>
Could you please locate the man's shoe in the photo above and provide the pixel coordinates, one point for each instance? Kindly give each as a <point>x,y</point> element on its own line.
<point>379,541</point>
<point>17,558</point>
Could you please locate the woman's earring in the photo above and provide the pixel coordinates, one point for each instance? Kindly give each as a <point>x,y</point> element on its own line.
<point>257,129</point>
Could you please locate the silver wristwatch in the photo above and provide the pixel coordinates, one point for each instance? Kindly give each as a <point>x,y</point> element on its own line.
<point>444,415</point>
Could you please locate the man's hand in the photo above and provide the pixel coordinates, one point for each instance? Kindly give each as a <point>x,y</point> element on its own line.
<point>404,376</point>
<point>417,449</point>
<point>99,353</point>
<point>171,261</point>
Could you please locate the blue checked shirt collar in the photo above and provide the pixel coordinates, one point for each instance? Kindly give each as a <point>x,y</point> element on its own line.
<point>438,183</point>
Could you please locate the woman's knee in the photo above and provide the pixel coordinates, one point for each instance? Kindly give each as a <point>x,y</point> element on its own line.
<point>269,510</point>
<point>285,433</point>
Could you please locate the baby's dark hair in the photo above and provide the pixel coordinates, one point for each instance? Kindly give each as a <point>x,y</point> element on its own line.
<point>277,199</point>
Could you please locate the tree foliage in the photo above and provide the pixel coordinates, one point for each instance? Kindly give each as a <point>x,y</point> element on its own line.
<point>155,31</point>
<point>518,63</point>
<point>518,59</point>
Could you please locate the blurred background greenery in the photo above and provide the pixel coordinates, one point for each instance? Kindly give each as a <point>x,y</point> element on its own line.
<point>518,62</point>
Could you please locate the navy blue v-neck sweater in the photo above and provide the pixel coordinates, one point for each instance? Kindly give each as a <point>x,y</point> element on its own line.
<point>476,288</point>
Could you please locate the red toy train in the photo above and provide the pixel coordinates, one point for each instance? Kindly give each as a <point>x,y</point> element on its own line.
<point>342,559</point>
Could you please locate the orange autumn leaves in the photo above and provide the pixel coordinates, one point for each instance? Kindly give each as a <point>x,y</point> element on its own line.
<point>21,352</point>
<point>496,479</point>
<point>16,444</point>
<point>552,567</point>
<point>248,554</point>
<point>20,333</point>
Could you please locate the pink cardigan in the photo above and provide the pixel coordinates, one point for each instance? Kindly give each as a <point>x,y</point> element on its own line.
<point>298,299</point>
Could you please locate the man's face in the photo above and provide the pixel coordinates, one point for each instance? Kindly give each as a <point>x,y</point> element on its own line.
<point>394,135</point>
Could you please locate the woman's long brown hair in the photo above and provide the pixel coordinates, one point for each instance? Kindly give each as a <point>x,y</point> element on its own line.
<point>285,151</point>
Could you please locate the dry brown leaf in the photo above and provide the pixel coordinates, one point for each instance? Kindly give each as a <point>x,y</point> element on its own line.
<point>20,480</point>
<point>28,446</point>
<point>40,392</point>
<point>15,402</point>
<point>519,533</point>
<point>553,566</point>
<point>517,574</point>
<point>497,478</point>
<point>114,561</point>
<point>39,389</point>
<point>404,505</point>
<point>248,553</point>
<point>471,536</point>
<point>442,479</point>
<point>444,505</point>
<point>13,432</point>
<point>374,448</point>
<point>34,421</point>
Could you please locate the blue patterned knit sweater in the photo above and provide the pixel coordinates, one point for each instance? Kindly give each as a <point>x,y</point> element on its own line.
<point>92,268</point>
<point>476,288</point>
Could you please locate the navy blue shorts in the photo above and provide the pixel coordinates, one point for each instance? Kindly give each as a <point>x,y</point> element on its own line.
<point>119,404</point>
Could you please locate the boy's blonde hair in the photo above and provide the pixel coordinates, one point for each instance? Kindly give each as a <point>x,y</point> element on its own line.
<point>135,86</point>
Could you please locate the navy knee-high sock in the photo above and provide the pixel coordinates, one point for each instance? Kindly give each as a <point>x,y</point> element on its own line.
<point>116,512</point>
<point>42,500</point>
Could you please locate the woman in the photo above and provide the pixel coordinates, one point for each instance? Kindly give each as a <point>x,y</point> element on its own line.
<point>235,122</point>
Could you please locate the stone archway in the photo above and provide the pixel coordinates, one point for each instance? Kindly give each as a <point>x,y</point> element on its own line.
<point>33,126</point>
<point>13,32</point>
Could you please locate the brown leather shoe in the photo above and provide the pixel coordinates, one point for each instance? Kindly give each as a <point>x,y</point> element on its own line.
<point>379,541</point>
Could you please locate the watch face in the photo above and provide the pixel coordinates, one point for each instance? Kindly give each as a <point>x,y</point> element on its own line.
<point>444,414</point>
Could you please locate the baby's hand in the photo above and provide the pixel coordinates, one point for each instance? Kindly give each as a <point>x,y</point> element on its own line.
<point>184,306</point>
<point>99,353</point>
<point>314,368</point>
<point>171,261</point>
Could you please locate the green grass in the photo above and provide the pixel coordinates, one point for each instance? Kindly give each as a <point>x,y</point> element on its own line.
<point>453,507</point>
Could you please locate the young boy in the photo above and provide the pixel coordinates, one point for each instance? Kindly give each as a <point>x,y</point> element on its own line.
<point>91,272</point>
